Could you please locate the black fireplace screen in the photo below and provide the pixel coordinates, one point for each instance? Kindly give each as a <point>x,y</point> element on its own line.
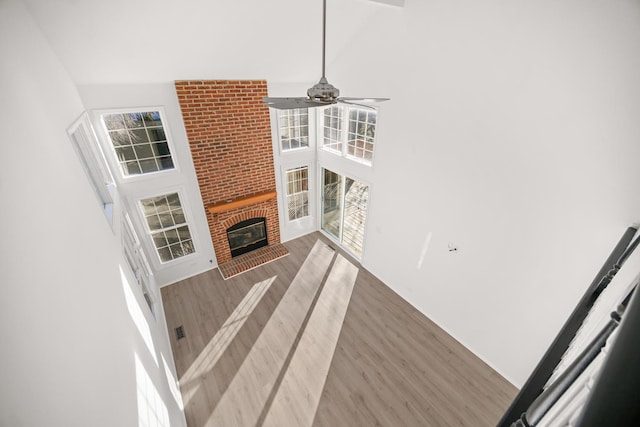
<point>247,236</point>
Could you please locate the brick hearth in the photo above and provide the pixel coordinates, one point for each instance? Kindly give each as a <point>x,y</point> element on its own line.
<point>252,260</point>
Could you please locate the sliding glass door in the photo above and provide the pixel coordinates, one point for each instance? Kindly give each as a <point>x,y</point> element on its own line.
<point>331,203</point>
<point>344,209</point>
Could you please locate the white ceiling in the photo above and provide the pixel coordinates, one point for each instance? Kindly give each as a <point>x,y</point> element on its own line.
<point>142,41</point>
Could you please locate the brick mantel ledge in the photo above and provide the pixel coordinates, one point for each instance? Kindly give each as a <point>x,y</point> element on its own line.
<point>241,202</point>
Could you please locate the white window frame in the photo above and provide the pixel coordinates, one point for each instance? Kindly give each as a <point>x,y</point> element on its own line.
<point>344,133</point>
<point>137,260</point>
<point>343,180</point>
<point>110,148</point>
<point>285,182</point>
<point>149,233</point>
<point>94,163</point>
<point>309,130</point>
<point>277,135</point>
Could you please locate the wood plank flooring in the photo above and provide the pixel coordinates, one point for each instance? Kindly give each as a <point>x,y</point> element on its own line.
<point>311,339</point>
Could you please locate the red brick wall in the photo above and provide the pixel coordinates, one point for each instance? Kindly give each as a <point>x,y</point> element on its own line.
<point>229,134</point>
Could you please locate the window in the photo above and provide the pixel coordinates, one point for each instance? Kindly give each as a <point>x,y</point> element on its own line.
<point>331,202</point>
<point>93,163</point>
<point>344,210</point>
<point>294,128</point>
<point>168,226</point>
<point>356,144</point>
<point>298,192</point>
<point>332,129</point>
<point>356,198</point>
<point>139,141</point>
<point>136,259</point>
<point>362,132</point>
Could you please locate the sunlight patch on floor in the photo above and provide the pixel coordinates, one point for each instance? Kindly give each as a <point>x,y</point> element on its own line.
<point>301,389</point>
<point>212,352</point>
<point>254,382</point>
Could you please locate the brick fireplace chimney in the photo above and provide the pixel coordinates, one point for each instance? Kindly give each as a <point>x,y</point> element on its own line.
<point>229,135</point>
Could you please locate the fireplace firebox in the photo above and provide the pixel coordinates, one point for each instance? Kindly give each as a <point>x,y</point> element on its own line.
<point>247,236</point>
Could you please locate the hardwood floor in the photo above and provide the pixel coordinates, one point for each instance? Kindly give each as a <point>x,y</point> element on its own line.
<point>312,340</point>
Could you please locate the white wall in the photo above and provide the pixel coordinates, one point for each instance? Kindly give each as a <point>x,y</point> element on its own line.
<point>513,133</point>
<point>182,179</point>
<point>69,338</point>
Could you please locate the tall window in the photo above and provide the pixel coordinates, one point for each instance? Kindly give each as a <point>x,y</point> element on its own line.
<point>93,163</point>
<point>344,210</point>
<point>294,128</point>
<point>139,141</point>
<point>358,142</point>
<point>356,198</point>
<point>136,259</point>
<point>168,226</point>
<point>298,192</point>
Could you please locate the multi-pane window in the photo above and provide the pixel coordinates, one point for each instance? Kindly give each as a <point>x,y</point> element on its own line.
<point>332,129</point>
<point>294,128</point>
<point>298,192</point>
<point>136,259</point>
<point>331,184</point>
<point>358,142</point>
<point>140,142</point>
<point>93,162</point>
<point>168,226</point>
<point>362,132</point>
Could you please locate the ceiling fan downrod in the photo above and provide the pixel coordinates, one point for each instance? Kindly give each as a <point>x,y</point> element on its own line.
<point>322,93</point>
<point>323,90</point>
<point>324,35</point>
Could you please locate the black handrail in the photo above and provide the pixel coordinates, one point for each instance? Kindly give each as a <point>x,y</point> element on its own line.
<point>613,400</point>
<point>534,385</point>
<point>550,396</point>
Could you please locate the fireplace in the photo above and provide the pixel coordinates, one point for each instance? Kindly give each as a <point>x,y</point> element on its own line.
<point>229,131</point>
<point>247,236</point>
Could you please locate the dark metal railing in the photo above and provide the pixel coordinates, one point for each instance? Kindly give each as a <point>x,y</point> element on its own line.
<point>534,386</point>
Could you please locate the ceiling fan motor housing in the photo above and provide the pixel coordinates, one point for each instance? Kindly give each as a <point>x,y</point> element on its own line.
<point>323,91</point>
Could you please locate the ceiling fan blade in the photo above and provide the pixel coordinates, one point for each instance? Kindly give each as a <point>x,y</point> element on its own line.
<point>362,99</point>
<point>361,102</point>
<point>292,103</point>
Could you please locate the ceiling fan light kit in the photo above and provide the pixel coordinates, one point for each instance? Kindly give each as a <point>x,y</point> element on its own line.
<point>322,93</point>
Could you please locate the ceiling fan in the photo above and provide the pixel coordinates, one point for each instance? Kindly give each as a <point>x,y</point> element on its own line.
<point>322,93</point>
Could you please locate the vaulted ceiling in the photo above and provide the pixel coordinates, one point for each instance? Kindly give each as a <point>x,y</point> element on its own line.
<point>123,41</point>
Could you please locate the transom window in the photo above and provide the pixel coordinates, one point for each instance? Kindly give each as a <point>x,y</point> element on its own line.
<point>168,226</point>
<point>358,142</point>
<point>140,142</point>
<point>294,128</point>
<point>298,192</point>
